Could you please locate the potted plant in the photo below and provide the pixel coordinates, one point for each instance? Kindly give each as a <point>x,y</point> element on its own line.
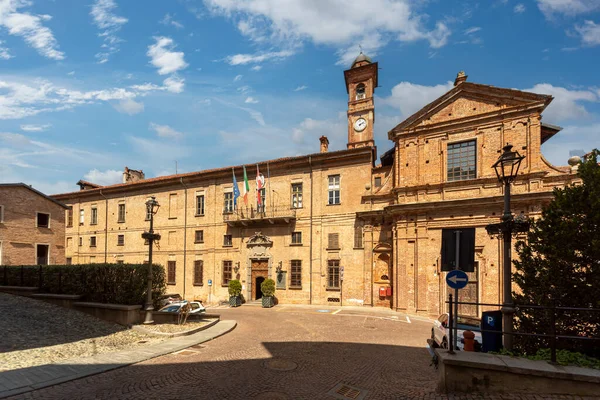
<point>268,291</point>
<point>235,290</point>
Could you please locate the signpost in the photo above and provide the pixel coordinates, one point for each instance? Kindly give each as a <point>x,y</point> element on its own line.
<point>341,285</point>
<point>457,279</point>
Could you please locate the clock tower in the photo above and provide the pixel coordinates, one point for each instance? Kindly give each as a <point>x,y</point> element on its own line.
<point>361,81</point>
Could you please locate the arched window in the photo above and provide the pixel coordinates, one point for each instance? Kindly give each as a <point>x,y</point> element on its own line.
<point>360,91</point>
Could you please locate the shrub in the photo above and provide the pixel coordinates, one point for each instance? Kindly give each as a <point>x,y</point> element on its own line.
<point>235,288</point>
<point>102,283</point>
<point>268,287</point>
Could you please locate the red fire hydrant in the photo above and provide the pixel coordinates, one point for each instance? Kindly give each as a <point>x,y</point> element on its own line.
<point>469,339</point>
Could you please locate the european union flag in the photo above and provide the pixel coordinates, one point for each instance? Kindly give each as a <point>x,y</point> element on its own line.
<point>236,190</point>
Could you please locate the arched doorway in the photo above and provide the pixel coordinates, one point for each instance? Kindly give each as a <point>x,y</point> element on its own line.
<point>258,282</point>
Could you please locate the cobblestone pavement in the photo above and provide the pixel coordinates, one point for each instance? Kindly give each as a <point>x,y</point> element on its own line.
<point>280,355</point>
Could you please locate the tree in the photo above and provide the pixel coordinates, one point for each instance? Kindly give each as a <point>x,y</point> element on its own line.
<point>559,263</point>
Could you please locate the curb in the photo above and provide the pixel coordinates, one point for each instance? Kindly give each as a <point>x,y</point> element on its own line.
<point>149,332</point>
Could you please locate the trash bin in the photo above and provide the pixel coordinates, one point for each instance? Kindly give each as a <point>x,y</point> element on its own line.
<point>491,321</point>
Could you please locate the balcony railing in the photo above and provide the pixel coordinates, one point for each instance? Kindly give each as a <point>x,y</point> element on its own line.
<point>246,216</point>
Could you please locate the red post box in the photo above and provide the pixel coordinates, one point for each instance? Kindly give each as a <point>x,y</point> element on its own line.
<point>382,291</point>
<point>389,291</point>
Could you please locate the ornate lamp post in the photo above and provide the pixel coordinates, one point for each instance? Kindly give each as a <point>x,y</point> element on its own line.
<point>506,169</point>
<point>152,207</point>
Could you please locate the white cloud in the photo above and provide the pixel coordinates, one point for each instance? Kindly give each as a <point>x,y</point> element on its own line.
<point>256,68</point>
<point>168,20</point>
<point>237,78</point>
<point>589,32</point>
<point>160,151</point>
<point>243,59</point>
<point>337,23</point>
<point>35,128</point>
<point>29,27</point>
<point>472,30</point>
<point>566,105</point>
<point>310,130</point>
<point>165,131</point>
<point>567,7</point>
<point>164,58</point>
<point>299,88</point>
<point>174,84</point>
<point>71,73</point>
<point>108,177</point>
<point>4,52</point>
<point>571,137</point>
<point>129,106</point>
<point>411,97</point>
<point>105,19</point>
<point>519,8</point>
<point>251,100</point>
<point>244,89</point>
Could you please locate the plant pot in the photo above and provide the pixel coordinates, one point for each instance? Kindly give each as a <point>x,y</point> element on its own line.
<point>268,301</point>
<point>235,301</point>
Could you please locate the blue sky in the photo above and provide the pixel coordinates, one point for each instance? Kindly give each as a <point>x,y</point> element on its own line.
<point>90,86</point>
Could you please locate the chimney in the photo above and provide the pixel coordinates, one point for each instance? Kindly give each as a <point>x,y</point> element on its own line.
<point>324,144</point>
<point>460,78</point>
<point>125,175</point>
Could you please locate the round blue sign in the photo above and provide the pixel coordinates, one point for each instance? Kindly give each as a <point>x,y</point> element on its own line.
<point>457,279</point>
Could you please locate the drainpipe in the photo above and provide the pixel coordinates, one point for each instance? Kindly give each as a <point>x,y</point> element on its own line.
<point>311,230</point>
<point>185,212</point>
<point>105,226</point>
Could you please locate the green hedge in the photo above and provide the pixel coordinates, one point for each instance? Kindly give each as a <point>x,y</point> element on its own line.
<point>102,283</point>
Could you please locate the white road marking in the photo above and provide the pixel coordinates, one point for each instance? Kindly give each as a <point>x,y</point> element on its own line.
<point>408,320</point>
<point>337,311</point>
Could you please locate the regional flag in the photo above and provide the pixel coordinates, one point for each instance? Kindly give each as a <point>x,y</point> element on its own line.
<point>236,190</point>
<point>246,187</point>
<point>260,183</point>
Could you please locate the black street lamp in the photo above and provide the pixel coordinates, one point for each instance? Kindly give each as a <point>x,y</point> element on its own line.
<point>152,207</point>
<point>506,169</point>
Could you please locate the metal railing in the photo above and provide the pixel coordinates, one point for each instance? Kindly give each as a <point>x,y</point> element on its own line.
<point>259,213</point>
<point>553,336</point>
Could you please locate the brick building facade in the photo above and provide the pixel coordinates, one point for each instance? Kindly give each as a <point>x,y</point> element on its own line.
<point>32,227</point>
<point>338,213</point>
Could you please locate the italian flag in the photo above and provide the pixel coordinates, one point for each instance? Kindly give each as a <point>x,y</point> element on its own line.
<point>246,187</point>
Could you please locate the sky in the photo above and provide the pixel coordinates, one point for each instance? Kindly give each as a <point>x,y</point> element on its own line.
<point>88,87</point>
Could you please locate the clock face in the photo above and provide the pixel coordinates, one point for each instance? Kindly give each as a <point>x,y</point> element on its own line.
<point>360,124</point>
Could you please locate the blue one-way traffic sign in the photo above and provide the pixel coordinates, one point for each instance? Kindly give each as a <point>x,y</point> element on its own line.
<point>457,279</point>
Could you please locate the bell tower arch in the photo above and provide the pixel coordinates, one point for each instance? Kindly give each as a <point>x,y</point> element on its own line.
<point>361,81</point>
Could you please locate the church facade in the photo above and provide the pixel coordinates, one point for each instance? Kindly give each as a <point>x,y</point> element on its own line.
<point>339,227</point>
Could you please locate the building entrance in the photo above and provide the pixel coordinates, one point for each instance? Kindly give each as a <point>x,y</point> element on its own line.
<point>258,282</point>
<point>260,271</point>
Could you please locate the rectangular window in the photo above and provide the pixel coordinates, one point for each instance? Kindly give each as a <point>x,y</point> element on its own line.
<point>69,260</point>
<point>199,237</point>
<point>227,272</point>
<point>296,237</point>
<point>333,274</point>
<point>200,204</point>
<point>173,205</point>
<point>334,189</point>
<point>171,265</point>
<point>92,241</point>
<point>462,161</point>
<point>94,213</point>
<point>198,272</point>
<point>120,262</point>
<point>227,240</point>
<point>296,195</point>
<point>296,274</point>
<point>80,241</point>
<point>81,216</point>
<point>358,237</point>
<point>121,214</point>
<point>378,181</point>
<point>69,242</point>
<point>120,240</point>
<point>228,203</point>
<point>43,220</point>
<point>69,217</point>
<point>333,241</point>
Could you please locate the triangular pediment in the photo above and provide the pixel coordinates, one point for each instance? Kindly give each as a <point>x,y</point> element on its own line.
<point>470,100</point>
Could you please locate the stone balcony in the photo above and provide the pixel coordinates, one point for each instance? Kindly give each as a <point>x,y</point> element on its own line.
<point>255,216</point>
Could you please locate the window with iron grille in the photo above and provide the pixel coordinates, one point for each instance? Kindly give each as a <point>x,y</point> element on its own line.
<point>296,237</point>
<point>120,240</point>
<point>228,204</point>
<point>334,189</point>
<point>94,215</point>
<point>296,274</point>
<point>227,240</point>
<point>171,265</point>
<point>462,163</point>
<point>198,272</point>
<point>333,241</point>
<point>121,214</point>
<point>200,204</point>
<point>199,237</point>
<point>358,237</point>
<point>92,241</point>
<point>296,195</point>
<point>333,274</point>
<point>227,267</point>
<point>69,217</point>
